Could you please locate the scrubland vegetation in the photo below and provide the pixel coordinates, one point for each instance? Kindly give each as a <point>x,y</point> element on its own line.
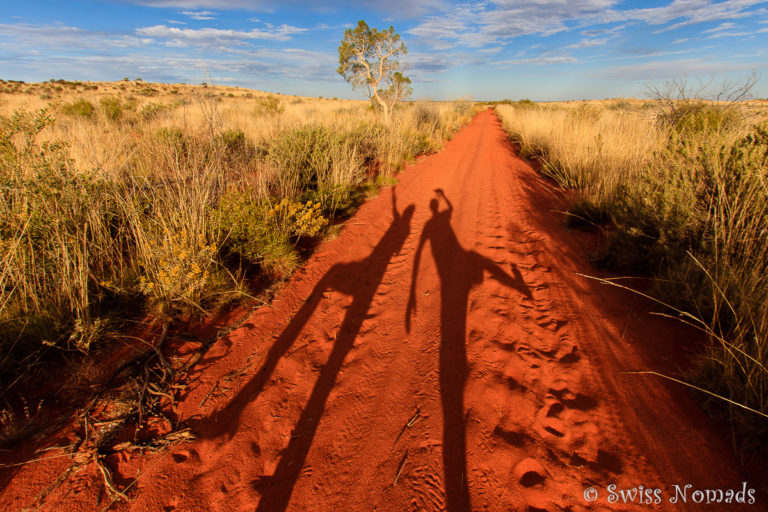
<point>679,188</point>
<point>129,197</point>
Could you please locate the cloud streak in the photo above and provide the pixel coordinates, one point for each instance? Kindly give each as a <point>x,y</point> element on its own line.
<point>539,61</point>
<point>491,22</point>
<point>200,15</point>
<point>216,37</point>
<point>687,12</point>
<point>66,37</point>
<point>674,68</point>
<point>399,8</point>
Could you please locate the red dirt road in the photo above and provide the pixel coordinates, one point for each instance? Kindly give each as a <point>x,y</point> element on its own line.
<point>440,354</point>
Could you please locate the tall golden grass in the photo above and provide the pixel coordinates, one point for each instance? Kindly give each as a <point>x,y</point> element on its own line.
<point>126,194</point>
<point>684,194</point>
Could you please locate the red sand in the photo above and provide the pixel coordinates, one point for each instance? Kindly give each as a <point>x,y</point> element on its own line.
<point>440,354</point>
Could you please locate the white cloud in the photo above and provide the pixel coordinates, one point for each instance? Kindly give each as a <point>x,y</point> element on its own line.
<point>668,69</point>
<point>603,31</point>
<point>399,8</point>
<point>729,34</point>
<point>486,23</point>
<point>66,37</point>
<point>214,36</point>
<point>202,4</point>
<point>293,64</point>
<point>723,26</point>
<point>540,61</point>
<point>200,15</point>
<point>489,22</point>
<point>325,26</point>
<point>588,43</point>
<point>492,49</point>
<point>689,12</point>
<point>429,62</point>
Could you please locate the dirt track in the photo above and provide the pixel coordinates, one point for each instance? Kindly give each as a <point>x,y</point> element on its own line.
<point>441,354</point>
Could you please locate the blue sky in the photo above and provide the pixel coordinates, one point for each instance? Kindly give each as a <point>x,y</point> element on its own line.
<point>537,49</point>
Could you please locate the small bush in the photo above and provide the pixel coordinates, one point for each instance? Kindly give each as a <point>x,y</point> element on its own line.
<point>619,105</point>
<point>319,164</point>
<point>265,233</point>
<point>425,144</point>
<point>462,107</point>
<point>268,105</point>
<point>233,140</point>
<point>51,216</point>
<point>172,137</point>
<point>148,90</point>
<point>426,115</point>
<point>237,150</point>
<point>699,116</point>
<point>78,108</point>
<point>154,110</point>
<point>112,107</point>
<point>178,269</point>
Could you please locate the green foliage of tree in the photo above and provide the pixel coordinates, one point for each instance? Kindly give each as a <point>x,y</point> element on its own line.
<point>369,59</point>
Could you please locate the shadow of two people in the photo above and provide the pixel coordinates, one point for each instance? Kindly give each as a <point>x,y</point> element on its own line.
<point>458,270</point>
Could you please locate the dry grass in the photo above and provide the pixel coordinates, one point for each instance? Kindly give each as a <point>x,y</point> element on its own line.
<point>130,196</point>
<point>683,192</point>
<point>579,142</point>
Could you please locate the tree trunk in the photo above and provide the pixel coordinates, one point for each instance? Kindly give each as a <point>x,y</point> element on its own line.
<point>384,107</point>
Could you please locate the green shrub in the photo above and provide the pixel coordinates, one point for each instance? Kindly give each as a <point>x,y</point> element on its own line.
<point>112,107</point>
<point>266,233</point>
<point>54,223</point>
<point>424,144</point>
<point>699,116</point>
<point>462,107</point>
<point>78,108</point>
<point>153,110</point>
<point>233,140</point>
<point>587,112</point>
<point>697,221</point>
<point>426,115</point>
<point>178,270</point>
<point>268,105</point>
<point>148,90</point>
<point>318,164</point>
<point>173,137</point>
<point>237,150</point>
<point>619,105</point>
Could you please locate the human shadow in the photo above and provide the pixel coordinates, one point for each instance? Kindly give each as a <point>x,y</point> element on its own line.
<point>459,271</point>
<point>359,279</point>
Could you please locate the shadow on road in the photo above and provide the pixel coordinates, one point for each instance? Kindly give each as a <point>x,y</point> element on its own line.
<point>459,270</point>
<point>359,279</point>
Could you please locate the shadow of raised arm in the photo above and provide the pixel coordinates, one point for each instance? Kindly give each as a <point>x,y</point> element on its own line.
<point>498,273</point>
<point>440,193</point>
<point>395,213</point>
<point>411,307</point>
